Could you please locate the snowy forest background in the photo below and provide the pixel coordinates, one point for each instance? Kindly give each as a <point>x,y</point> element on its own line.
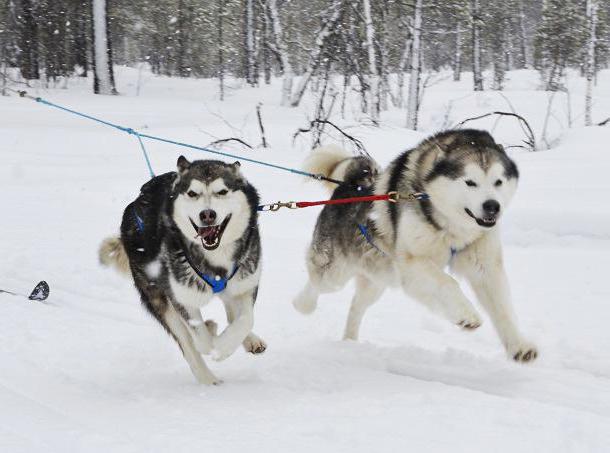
<point>371,44</point>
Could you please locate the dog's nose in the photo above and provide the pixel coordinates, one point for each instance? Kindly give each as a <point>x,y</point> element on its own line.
<point>491,207</point>
<point>208,216</point>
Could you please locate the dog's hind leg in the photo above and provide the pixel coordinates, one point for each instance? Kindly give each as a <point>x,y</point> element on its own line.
<point>307,300</point>
<point>177,327</point>
<point>327,274</point>
<point>252,343</point>
<point>367,293</point>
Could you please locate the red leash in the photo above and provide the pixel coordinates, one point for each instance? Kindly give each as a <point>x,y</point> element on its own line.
<point>392,197</point>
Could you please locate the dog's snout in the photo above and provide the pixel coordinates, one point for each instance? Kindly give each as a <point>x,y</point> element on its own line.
<point>491,207</point>
<point>208,216</point>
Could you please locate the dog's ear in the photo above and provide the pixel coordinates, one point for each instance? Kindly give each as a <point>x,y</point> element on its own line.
<point>501,148</point>
<point>235,167</point>
<point>183,165</point>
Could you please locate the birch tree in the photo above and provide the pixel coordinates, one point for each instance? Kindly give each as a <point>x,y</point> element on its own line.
<point>590,58</point>
<point>221,57</point>
<point>476,45</point>
<point>373,74</point>
<point>457,55</point>
<point>250,51</point>
<point>103,82</point>
<point>523,47</point>
<point>327,29</point>
<point>404,60</point>
<point>281,50</point>
<point>415,73</point>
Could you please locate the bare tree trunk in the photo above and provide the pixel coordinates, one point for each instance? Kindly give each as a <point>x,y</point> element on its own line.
<point>28,56</point>
<point>181,41</point>
<point>282,51</point>
<point>265,44</point>
<point>590,58</point>
<point>373,74</point>
<point>402,66</point>
<point>523,37</point>
<point>249,47</point>
<point>221,58</point>
<point>103,82</point>
<point>413,101</point>
<point>476,46</point>
<point>327,29</point>
<point>457,56</point>
<point>80,40</point>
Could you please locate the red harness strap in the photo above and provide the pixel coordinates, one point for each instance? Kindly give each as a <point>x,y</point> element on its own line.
<point>306,204</point>
<point>392,197</point>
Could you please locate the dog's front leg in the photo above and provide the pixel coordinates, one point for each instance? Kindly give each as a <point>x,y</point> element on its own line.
<point>424,280</point>
<point>482,265</point>
<point>235,333</point>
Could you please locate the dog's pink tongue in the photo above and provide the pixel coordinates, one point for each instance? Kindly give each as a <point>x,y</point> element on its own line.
<point>206,232</point>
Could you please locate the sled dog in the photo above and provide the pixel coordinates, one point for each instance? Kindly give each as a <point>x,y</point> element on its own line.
<point>191,235</point>
<point>468,181</point>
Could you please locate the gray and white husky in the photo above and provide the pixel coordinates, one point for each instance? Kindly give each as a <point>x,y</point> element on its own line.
<point>190,235</point>
<point>469,180</point>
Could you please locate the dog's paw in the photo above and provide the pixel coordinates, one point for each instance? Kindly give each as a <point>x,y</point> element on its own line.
<point>469,324</point>
<point>254,344</point>
<point>207,378</point>
<point>212,381</point>
<point>468,319</point>
<point>212,327</point>
<point>523,351</point>
<point>305,303</point>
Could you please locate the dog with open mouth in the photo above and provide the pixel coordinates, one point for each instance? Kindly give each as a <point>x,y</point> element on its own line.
<point>468,181</point>
<point>191,235</point>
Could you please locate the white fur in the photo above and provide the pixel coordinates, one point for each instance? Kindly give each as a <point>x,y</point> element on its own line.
<point>418,258</point>
<point>234,203</point>
<point>327,161</point>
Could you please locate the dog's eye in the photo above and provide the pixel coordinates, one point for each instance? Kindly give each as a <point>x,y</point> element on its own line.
<point>191,194</point>
<point>498,183</point>
<point>222,192</point>
<point>471,183</point>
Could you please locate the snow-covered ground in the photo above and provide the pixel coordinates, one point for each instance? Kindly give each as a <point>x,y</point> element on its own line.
<point>91,371</point>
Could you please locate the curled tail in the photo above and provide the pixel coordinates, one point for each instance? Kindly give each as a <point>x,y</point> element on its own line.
<point>112,254</point>
<point>331,161</point>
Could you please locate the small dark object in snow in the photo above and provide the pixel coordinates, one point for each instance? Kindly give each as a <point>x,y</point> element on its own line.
<point>40,292</point>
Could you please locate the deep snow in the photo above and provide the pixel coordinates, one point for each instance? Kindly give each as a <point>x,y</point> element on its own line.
<point>91,371</point>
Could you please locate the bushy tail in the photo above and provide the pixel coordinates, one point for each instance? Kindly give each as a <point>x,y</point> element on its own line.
<point>328,161</point>
<point>112,254</point>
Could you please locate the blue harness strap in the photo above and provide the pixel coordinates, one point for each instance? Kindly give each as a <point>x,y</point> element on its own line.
<point>367,235</point>
<point>216,283</point>
<point>139,221</point>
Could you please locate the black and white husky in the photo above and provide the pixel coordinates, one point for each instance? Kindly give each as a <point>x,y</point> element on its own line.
<point>191,235</point>
<point>469,181</point>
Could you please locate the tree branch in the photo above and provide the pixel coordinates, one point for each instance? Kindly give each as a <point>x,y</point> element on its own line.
<point>531,139</point>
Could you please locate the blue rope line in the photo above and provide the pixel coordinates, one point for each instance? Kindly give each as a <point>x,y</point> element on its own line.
<point>173,142</point>
<point>150,170</point>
